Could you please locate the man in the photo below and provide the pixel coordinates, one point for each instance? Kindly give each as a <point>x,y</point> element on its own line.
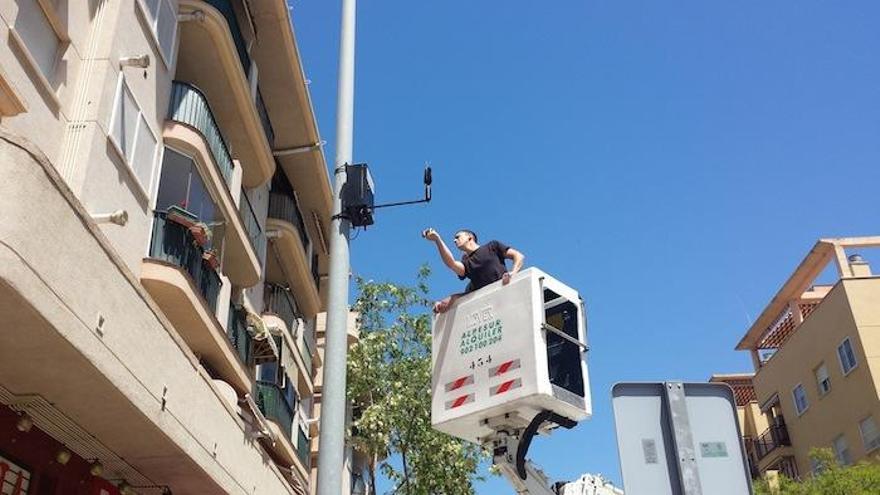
<point>482,265</point>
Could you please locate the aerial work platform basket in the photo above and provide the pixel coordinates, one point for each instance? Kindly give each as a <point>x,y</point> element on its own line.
<point>509,352</point>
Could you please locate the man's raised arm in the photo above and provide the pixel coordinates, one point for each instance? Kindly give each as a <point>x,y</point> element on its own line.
<point>445,254</point>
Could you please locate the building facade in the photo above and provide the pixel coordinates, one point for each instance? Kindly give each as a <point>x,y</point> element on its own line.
<point>163,211</point>
<point>816,354</point>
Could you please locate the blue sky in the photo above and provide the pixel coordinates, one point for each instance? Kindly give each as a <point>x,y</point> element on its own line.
<point>673,161</point>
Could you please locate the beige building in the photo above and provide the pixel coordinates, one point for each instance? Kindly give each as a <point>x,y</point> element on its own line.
<point>163,211</point>
<point>816,353</point>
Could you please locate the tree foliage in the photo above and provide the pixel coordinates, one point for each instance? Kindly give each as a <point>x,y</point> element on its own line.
<point>389,385</point>
<point>831,479</point>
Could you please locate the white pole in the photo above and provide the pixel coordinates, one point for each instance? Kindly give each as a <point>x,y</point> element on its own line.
<point>331,447</point>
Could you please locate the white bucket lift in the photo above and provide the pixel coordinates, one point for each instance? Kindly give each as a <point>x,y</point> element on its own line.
<point>508,362</point>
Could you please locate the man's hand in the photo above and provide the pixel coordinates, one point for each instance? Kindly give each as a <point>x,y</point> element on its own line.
<point>505,279</point>
<point>430,234</point>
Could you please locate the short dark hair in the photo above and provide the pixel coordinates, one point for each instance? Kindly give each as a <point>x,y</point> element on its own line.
<point>468,232</point>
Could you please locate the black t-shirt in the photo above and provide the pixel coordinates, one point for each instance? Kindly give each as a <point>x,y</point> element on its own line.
<point>485,265</point>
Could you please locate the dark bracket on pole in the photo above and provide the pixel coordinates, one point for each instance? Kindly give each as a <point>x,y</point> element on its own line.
<point>357,195</point>
<point>529,433</point>
<point>427,180</point>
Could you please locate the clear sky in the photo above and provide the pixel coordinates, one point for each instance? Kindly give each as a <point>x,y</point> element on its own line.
<point>673,161</point>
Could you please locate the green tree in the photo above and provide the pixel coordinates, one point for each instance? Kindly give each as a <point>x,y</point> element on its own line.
<point>831,479</point>
<point>389,386</point>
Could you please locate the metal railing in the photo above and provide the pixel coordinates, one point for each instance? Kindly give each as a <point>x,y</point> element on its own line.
<point>239,336</point>
<point>270,400</point>
<point>225,8</point>
<point>315,275</point>
<point>774,437</point>
<point>308,345</point>
<point>264,119</point>
<point>284,207</point>
<point>189,106</point>
<point>173,243</point>
<point>304,449</point>
<point>280,302</point>
<point>255,233</point>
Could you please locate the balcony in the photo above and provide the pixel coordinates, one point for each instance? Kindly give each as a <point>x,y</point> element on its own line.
<point>173,243</point>
<point>189,106</point>
<point>772,439</point>
<point>213,56</point>
<point>239,337</point>
<point>270,399</point>
<point>301,336</point>
<point>303,448</point>
<point>186,288</point>
<point>255,233</point>
<point>293,264</point>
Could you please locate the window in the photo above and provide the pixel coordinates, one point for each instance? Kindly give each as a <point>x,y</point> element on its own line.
<point>841,451</point>
<point>181,185</point>
<point>847,356</point>
<point>162,18</point>
<point>41,42</point>
<point>131,134</point>
<point>800,399</point>
<point>822,379</point>
<point>870,434</point>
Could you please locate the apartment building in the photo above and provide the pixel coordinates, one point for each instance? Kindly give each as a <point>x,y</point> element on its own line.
<point>163,211</point>
<point>816,354</point>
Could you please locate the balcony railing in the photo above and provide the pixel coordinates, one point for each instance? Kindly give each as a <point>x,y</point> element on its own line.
<point>239,337</point>
<point>315,275</point>
<point>773,438</point>
<point>264,119</point>
<point>255,233</point>
<point>303,448</point>
<point>225,8</point>
<point>189,106</point>
<point>284,207</point>
<point>280,302</point>
<point>173,243</point>
<point>308,345</point>
<point>270,400</point>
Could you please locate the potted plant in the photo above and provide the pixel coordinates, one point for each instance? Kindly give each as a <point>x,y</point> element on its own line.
<point>210,257</point>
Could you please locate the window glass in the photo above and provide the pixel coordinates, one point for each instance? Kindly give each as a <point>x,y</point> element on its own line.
<point>38,36</point>
<point>152,7</point>
<point>847,356</point>
<point>181,185</point>
<point>841,451</point>
<point>800,399</point>
<point>162,17</point>
<point>822,379</point>
<point>144,155</point>
<point>267,372</point>
<point>125,121</point>
<point>870,434</point>
<point>166,28</point>
<point>174,183</point>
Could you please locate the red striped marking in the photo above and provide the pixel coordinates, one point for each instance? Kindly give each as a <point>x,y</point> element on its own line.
<point>460,382</point>
<point>504,387</point>
<point>459,401</point>
<point>504,367</point>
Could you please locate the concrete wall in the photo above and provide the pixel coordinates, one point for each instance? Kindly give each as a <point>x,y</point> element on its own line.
<point>70,122</point>
<point>852,397</point>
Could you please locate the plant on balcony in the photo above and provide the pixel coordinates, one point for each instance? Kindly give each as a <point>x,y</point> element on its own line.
<point>831,478</point>
<point>201,233</point>
<point>210,257</point>
<point>389,377</point>
<point>180,215</point>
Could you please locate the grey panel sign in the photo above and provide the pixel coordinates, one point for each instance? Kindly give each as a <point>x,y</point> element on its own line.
<point>679,439</point>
